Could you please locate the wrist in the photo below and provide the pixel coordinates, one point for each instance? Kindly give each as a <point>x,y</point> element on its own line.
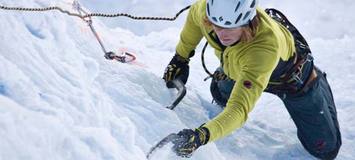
<point>181,59</point>
<point>203,135</point>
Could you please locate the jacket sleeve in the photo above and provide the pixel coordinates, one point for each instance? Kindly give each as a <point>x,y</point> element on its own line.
<point>191,34</point>
<point>256,69</point>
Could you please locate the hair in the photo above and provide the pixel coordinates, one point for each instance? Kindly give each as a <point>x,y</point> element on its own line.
<point>249,31</point>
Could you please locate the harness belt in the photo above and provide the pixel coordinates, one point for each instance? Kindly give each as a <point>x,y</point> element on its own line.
<point>295,79</point>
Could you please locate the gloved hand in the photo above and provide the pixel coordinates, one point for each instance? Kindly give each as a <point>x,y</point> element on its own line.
<point>189,140</point>
<point>219,74</point>
<point>177,68</point>
<point>221,87</point>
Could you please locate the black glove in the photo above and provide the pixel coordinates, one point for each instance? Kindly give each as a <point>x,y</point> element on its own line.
<point>177,68</point>
<point>221,87</point>
<point>189,140</point>
<point>219,74</point>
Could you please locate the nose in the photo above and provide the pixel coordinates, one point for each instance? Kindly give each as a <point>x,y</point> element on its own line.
<point>221,32</point>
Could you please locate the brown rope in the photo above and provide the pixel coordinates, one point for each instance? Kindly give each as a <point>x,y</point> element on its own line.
<point>93,14</point>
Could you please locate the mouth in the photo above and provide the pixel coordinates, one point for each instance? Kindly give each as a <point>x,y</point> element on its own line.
<point>225,39</point>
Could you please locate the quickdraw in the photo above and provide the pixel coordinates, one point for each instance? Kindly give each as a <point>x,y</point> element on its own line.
<point>124,57</point>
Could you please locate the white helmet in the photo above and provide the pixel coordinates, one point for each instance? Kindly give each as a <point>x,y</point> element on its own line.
<point>231,13</point>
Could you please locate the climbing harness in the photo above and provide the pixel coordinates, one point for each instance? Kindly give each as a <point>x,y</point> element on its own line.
<point>124,56</point>
<point>295,78</point>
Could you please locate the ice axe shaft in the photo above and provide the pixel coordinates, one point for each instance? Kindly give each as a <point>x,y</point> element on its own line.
<point>171,137</point>
<point>177,83</point>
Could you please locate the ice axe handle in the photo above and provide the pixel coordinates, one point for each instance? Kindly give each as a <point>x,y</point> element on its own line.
<point>181,92</point>
<point>170,138</point>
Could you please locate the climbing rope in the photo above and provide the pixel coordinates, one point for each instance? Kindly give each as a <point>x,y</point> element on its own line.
<point>40,10</point>
<point>94,14</point>
<point>125,56</point>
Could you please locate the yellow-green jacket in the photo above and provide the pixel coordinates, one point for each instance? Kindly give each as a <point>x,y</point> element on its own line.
<point>249,64</point>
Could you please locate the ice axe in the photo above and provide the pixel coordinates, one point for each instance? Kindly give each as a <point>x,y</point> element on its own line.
<point>177,83</point>
<point>170,138</point>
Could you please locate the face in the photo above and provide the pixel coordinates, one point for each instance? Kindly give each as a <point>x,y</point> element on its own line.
<point>228,36</point>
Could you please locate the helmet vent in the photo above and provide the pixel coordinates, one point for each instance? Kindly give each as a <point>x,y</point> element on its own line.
<point>236,8</point>
<point>211,2</point>
<point>252,4</point>
<point>208,9</point>
<point>240,16</point>
<point>246,15</point>
<point>214,19</point>
<point>220,19</point>
<point>227,23</point>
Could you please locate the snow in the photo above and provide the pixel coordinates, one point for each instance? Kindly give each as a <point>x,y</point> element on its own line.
<point>60,99</point>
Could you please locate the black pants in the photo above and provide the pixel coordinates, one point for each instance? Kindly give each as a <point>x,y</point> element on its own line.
<point>315,116</point>
<point>313,112</point>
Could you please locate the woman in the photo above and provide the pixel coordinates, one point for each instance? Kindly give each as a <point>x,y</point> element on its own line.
<point>258,52</point>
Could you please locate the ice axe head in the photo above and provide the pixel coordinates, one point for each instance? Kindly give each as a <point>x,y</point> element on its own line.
<point>179,85</point>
